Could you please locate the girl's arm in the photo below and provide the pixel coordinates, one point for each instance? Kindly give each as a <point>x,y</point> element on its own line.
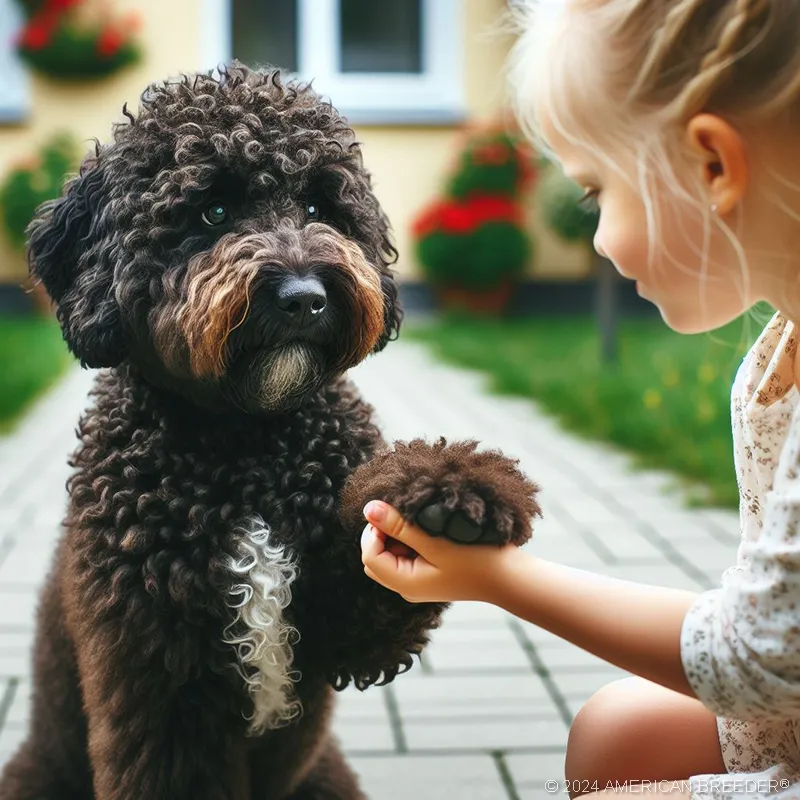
<point>634,626</point>
<point>631,625</point>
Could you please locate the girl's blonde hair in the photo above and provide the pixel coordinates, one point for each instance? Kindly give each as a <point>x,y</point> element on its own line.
<point>621,77</point>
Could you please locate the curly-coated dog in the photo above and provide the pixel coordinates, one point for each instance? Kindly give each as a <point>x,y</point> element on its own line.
<point>225,261</point>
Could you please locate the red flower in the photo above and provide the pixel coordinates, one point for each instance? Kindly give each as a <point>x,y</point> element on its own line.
<point>109,41</point>
<point>452,216</point>
<point>36,34</point>
<point>61,5</point>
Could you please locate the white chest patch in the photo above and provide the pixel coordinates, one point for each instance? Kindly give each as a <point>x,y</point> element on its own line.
<point>262,638</point>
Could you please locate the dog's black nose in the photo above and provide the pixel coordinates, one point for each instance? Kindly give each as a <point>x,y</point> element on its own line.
<point>302,300</point>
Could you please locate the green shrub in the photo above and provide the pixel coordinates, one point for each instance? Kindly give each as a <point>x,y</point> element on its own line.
<point>30,184</point>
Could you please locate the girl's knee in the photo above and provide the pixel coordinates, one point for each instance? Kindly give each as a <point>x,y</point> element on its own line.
<point>634,729</point>
<point>606,732</point>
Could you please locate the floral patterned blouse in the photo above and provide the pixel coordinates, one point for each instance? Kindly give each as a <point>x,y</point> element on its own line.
<point>740,643</point>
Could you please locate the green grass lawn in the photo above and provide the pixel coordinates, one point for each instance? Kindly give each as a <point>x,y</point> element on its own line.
<point>32,356</point>
<point>667,401</point>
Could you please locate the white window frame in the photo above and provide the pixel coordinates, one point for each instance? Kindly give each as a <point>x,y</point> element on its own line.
<point>14,88</point>
<point>434,96</point>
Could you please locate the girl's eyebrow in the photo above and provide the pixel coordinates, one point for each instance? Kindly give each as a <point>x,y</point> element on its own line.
<point>579,173</point>
<point>580,176</point>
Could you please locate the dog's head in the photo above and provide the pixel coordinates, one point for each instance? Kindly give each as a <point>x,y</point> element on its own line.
<point>227,242</point>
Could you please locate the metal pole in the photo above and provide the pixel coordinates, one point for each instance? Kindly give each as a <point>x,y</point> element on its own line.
<point>606,308</point>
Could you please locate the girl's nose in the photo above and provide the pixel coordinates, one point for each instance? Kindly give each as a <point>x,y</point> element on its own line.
<point>598,245</point>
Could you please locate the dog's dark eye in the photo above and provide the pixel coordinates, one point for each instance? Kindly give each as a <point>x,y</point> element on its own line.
<point>312,212</point>
<point>215,214</point>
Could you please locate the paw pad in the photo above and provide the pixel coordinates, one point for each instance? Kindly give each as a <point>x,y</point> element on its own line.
<point>436,520</point>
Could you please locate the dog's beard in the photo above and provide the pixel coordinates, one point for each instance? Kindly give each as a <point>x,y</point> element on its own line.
<point>286,374</point>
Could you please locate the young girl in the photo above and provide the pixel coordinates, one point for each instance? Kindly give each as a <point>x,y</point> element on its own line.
<point>682,119</point>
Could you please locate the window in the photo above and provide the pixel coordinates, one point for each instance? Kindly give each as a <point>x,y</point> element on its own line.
<point>14,86</point>
<point>265,31</point>
<point>380,61</point>
<point>380,37</point>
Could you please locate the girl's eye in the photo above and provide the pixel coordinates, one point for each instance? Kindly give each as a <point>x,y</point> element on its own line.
<point>312,212</point>
<point>589,199</point>
<point>216,214</point>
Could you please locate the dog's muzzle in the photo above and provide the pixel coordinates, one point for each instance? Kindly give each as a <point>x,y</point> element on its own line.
<point>193,326</point>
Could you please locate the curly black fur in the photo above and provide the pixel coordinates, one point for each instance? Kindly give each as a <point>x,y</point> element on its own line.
<point>136,693</point>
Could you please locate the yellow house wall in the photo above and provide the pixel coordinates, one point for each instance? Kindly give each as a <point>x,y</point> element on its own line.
<point>408,163</point>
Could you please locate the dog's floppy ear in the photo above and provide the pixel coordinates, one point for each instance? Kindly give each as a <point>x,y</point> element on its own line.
<point>392,312</point>
<point>392,307</point>
<point>70,251</point>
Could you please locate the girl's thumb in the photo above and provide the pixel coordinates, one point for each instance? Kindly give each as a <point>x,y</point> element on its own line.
<point>389,521</point>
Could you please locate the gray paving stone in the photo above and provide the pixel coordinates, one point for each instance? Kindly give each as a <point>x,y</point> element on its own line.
<point>20,705</point>
<point>560,656</point>
<point>495,635</point>
<point>11,736</point>
<point>434,695</point>
<point>584,683</point>
<point>14,663</point>
<point>569,547</point>
<point>15,640</point>
<point>696,525</point>
<point>364,736</point>
<point>709,554</point>
<point>430,778</point>
<point>474,615</point>
<point>476,711</point>
<point>538,636</point>
<point>626,542</point>
<point>536,775</point>
<point>487,734</point>
<point>466,649</point>
<point>666,574</point>
<point>352,705</point>
<point>17,608</point>
<point>456,659</point>
<point>26,565</point>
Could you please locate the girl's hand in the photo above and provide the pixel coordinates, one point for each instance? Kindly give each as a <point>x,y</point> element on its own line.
<point>425,569</point>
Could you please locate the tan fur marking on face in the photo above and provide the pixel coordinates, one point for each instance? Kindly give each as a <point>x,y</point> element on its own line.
<point>369,298</point>
<point>326,246</point>
<point>218,302</point>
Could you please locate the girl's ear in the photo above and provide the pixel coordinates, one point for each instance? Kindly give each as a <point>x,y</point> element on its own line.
<point>723,160</point>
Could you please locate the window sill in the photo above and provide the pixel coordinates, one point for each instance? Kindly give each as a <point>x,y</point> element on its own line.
<point>14,116</point>
<point>403,117</point>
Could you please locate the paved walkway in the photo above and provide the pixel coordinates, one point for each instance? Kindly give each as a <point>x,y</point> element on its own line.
<point>486,715</point>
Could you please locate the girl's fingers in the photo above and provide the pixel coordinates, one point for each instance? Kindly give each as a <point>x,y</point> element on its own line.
<point>373,543</point>
<point>388,520</point>
<point>375,556</point>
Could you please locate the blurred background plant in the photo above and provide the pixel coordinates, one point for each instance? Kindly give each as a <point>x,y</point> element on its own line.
<point>32,181</point>
<point>32,352</point>
<point>471,243</point>
<point>61,40</point>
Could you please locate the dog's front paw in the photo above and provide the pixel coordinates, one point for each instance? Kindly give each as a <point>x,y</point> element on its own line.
<point>452,490</point>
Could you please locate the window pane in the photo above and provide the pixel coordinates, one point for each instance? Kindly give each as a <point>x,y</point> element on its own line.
<point>265,32</point>
<point>381,35</point>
